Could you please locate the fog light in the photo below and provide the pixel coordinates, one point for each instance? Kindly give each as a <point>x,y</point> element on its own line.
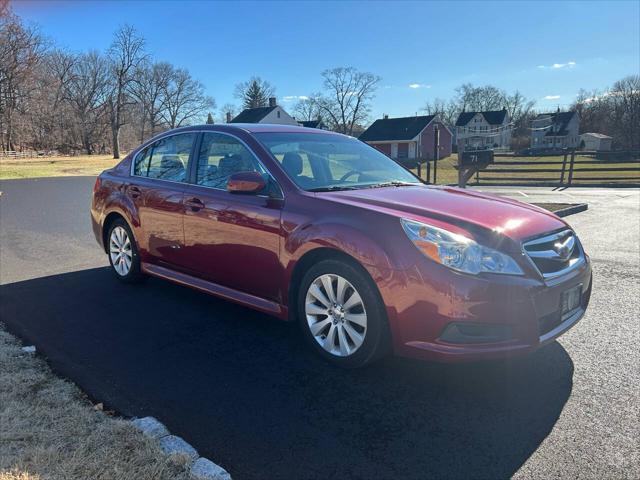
<point>468,332</point>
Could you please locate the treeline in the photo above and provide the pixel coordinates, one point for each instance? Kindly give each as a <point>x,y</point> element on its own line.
<point>99,102</point>
<point>614,112</point>
<point>56,100</point>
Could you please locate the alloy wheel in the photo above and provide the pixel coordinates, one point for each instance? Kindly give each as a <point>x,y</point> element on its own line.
<point>336,315</point>
<point>120,251</point>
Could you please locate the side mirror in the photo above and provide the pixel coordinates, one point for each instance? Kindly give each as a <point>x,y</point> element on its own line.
<point>245,182</point>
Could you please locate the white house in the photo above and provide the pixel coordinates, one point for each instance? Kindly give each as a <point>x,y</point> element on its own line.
<point>596,141</point>
<point>490,129</point>
<point>274,113</point>
<point>559,130</point>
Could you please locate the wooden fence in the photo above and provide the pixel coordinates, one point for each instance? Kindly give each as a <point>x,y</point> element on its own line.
<point>572,169</point>
<point>14,154</point>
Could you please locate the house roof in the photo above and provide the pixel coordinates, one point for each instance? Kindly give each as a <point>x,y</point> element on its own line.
<point>252,115</point>
<point>560,120</point>
<point>404,128</point>
<point>492,117</point>
<point>310,123</point>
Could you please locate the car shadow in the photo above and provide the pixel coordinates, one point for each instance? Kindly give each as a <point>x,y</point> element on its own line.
<point>244,390</point>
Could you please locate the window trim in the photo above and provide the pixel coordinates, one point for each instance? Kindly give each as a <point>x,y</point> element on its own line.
<point>192,168</point>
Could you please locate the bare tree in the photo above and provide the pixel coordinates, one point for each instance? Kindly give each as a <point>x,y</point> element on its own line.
<point>125,55</point>
<point>21,50</point>
<point>625,99</point>
<point>228,109</point>
<point>346,100</point>
<point>306,109</point>
<point>614,112</point>
<point>447,111</point>
<point>254,93</point>
<point>479,99</point>
<point>87,93</point>
<point>184,99</point>
<point>149,88</point>
<point>46,113</point>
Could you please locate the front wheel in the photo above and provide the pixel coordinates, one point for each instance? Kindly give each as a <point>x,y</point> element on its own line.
<point>342,315</point>
<point>123,252</point>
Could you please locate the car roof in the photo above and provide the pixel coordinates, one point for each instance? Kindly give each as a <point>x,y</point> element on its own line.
<point>252,128</point>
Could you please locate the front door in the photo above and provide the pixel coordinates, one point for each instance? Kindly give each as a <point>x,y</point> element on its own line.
<point>231,239</point>
<point>157,188</point>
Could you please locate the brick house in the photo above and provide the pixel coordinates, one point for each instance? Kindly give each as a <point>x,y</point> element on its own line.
<point>559,130</point>
<point>408,137</point>
<point>489,130</point>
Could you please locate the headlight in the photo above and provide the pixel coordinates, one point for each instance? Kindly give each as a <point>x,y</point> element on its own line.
<point>457,251</point>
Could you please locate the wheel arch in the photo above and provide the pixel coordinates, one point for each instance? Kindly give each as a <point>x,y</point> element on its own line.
<point>106,225</point>
<point>310,258</point>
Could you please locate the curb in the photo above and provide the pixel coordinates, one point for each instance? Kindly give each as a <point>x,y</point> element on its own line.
<point>200,468</point>
<point>563,212</point>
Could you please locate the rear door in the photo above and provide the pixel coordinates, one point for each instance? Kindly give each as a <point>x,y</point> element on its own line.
<point>157,188</point>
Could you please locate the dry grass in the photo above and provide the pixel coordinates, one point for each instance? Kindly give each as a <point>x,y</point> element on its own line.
<point>50,430</point>
<point>54,166</point>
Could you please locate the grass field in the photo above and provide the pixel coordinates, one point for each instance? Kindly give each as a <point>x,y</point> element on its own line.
<point>447,173</point>
<point>11,168</point>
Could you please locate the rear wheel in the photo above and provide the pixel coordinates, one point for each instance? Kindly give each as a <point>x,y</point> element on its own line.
<point>342,315</point>
<point>123,252</point>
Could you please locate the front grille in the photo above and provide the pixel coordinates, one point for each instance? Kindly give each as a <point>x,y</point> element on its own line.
<point>555,253</point>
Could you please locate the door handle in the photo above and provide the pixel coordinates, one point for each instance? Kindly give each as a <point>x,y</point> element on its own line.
<point>194,204</point>
<point>134,191</point>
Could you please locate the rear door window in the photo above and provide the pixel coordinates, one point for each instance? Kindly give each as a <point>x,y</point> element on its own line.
<point>166,159</point>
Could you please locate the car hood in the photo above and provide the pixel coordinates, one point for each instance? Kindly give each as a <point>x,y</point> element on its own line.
<point>470,210</point>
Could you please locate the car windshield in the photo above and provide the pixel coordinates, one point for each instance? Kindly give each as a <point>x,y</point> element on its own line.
<point>323,162</point>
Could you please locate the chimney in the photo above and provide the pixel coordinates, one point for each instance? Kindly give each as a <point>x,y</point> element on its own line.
<point>272,101</point>
<point>228,117</point>
<point>385,116</point>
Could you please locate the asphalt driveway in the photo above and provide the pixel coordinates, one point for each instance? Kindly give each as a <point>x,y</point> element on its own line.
<point>241,387</point>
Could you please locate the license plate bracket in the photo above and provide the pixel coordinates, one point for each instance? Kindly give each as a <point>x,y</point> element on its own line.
<point>570,301</point>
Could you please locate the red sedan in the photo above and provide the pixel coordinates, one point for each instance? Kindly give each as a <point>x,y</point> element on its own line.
<point>320,228</point>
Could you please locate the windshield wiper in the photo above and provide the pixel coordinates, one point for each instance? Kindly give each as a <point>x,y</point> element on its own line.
<point>332,188</point>
<point>393,184</point>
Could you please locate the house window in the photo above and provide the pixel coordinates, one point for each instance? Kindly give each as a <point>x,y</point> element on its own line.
<point>278,113</point>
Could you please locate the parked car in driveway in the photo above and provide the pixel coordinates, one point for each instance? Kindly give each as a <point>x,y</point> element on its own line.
<point>320,228</point>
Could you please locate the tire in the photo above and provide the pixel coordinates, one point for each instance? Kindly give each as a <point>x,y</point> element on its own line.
<point>125,262</point>
<point>335,327</point>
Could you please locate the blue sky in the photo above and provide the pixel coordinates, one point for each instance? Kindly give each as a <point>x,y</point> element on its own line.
<point>422,50</point>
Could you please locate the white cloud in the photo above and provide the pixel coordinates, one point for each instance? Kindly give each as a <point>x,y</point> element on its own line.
<point>557,66</point>
<point>552,97</point>
<point>291,98</point>
<point>419,85</point>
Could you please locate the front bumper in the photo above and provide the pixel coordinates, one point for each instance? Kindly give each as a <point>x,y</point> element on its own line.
<point>424,301</point>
